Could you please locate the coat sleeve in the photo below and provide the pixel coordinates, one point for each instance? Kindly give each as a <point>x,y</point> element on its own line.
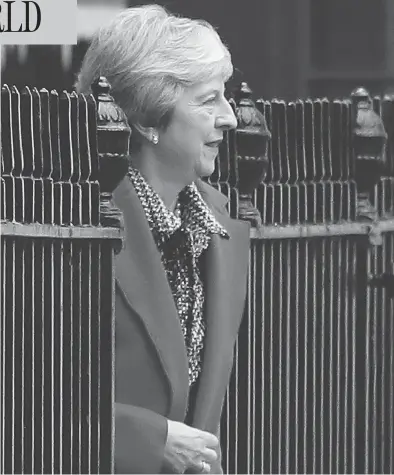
<point>140,437</point>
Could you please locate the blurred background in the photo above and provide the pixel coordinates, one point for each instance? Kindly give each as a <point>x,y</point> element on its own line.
<point>284,49</point>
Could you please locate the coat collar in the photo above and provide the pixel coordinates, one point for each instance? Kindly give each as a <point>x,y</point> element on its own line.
<point>142,279</point>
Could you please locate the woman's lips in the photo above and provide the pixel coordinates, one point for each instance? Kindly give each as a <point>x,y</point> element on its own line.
<point>214,144</point>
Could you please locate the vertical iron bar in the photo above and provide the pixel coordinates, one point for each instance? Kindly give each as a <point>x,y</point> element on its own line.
<point>367,369</point>
<point>305,420</point>
<point>89,418</point>
<point>113,360</point>
<point>391,414</point>
<point>263,210</point>
<point>249,345</point>
<point>22,356</point>
<point>61,349</point>
<point>297,354</point>
<point>99,296</point>
<point>331,338</point>
<point>52,318</point>
<point>354,355</point>
<point>227,430</point>
<point>383,366</point>
<point>33,354</point>
<point>263,334</point>
<point>271,356</point>
<point>254,343</point>
<point>374,362</point>
<point>236,407</point>
<point>71,379</point>
<point>13,422</point>
<point>346,357</point>
<point>339,362</point>
<point>322,365</point>
<point>5,289</point>
<point>279,187</point>
<point>288,336</point>
<point>43,359</point>
<point>280,347</point>
<point>314,353</point>
<point>81,376</point>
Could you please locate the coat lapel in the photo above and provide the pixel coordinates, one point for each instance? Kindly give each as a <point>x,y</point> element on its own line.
<point>225,290</point>
<point>142,279</point>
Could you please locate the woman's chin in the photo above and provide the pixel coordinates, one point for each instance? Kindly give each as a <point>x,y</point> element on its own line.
<point>206,167</point>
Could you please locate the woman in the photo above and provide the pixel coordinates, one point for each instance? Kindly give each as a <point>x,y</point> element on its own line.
<point>181,277</point>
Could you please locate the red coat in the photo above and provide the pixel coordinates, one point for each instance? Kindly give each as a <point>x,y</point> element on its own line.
<point>151,382</point>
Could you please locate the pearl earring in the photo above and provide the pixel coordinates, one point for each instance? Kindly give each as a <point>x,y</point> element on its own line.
<point>155,139</point>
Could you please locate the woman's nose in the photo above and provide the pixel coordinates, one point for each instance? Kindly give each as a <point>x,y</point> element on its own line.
<point>226,118</point>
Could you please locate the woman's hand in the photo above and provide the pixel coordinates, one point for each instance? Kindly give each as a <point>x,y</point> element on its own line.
<point>188,448</point>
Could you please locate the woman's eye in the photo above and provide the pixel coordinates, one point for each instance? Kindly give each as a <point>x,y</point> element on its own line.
<point>210,100</point>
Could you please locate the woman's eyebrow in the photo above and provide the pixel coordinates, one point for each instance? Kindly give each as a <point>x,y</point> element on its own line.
<point>208,93</point>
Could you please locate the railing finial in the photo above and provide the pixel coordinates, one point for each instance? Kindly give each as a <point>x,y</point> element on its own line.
<point>369,140</point>
<point>252,136</point>
<point>113,136</point>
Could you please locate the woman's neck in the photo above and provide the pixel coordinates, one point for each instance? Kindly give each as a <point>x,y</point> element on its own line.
<point>159,179</point>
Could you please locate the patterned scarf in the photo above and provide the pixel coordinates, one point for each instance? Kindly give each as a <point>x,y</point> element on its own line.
<point>181,238</point>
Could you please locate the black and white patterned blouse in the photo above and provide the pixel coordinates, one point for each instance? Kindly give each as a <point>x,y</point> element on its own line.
<point>181,237</point>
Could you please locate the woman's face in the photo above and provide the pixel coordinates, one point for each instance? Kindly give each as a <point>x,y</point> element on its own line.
<point>189,145</point>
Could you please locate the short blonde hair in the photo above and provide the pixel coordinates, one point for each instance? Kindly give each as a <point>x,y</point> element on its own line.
<point>149,56</point>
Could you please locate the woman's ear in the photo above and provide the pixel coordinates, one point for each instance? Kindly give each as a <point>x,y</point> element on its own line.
<point>149,133</point>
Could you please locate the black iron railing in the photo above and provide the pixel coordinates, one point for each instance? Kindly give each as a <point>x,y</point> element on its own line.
<point>312,385</point>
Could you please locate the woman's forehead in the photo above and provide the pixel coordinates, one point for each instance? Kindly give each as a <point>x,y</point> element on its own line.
<point>209,86</point>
